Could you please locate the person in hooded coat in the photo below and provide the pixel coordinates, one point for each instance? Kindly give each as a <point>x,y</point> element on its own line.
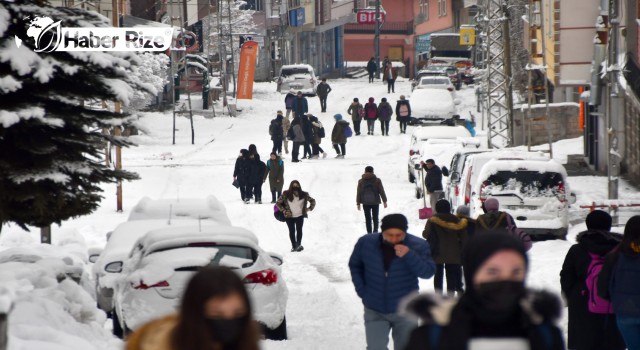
<point>338,138</point>
<point>318,135</point>
<point>257,169</point>
<point>276,133</point>
<point>587,330</point>
<point>369,194</point>
<point>384,115</point>
<point>370,114</point>
<point>403,113</point>
<point>447,234</point>
<point>354,112</point>
<point>496,220</point>
<point>275,173</point>
<point>241,174</point>
<point>496,311</point>
<point>288,102</point>
<point>297,136</point>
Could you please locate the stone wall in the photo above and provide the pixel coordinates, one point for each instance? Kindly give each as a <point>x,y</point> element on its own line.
<point>630,166</point>
<point>564,123</point>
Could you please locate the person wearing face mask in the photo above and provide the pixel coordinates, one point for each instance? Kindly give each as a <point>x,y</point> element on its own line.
<point>295,204</point>
<point>215,314</point>
<point>385,268</point>
<point>497,311</point>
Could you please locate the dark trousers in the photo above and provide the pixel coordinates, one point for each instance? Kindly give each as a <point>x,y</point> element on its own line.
<point>391,85</point>
<point>295,230</point>
<point>323,103</point>
<point>316,149</point>
<point>296,151</point>
<point>454,278</point>
<point>384,126</point>
<point>356,126</point>
<point>307,149</point>
<point>277,146</point>
<point>275,195</point>
<point>245,190</point>
<point>257,191</point>
<point>371,77</point>
<point>371,123</point>
<point>403,126</point>
<point>371,211</point>
<point>339,147</point>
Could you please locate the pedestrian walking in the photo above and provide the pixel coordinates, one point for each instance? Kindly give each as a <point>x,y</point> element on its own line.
<point>590,328</point>
<point>371,114</point>
<point>403,113</point>
<point>296,135</point>
<point>257,168</point>
<point>323,91</point>
<point>385,268</point>
<point>356,111</point>
<point>463,212</point>
<point>318,135</point>
<point>339,137</point>
<point>275,174</point>
<point>295,204</point>
<point>286,124</point>
<point>447,234</point>
<point>371,68</point>
<point>215,313</point>
<point>619,282</point>
<point>369,194</point>
<point>391,74</point>
<point>384,115</point>
<point>496,311</point>
<point>495,220</point>
<point>241,174</point>
<point>276,133</point>
<point>288,102</point>
<point>385,62</point>
<point>300,105</point>
<point>433,181</point>
<point>307,130</point>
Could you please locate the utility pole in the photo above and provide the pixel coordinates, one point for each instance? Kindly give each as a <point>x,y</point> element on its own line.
<point>117,132</point>
<point>506,34</point>
<point>547,111</point>
<point>233,62</point>
<point>613,105</point>
<point>376,39</point>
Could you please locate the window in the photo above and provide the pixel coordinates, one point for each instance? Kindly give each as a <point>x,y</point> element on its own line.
<point>294,4</point>
<point>442,7</point>
<point>550,18</point>
<point>424,9</point>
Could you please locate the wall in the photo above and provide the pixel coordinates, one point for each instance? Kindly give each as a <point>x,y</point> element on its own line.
<point>564,123</point>
<point>434,23</point>
<point>631,157</point>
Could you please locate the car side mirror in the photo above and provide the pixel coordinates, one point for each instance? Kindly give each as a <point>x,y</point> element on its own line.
<point>455,176</point>
<point>572,198</point>
<point>94,254</point>
<point>445,171</point>
<point>114,267</point>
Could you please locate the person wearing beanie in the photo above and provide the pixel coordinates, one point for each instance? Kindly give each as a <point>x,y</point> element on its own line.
<point>463,212</point>
<point>370,114</point>
<point>495,220</point>
<point>588,330</point>
<point>338,137</point>
<point>403,113</point>
<point>384,114</point>
<point>356,111</point>
<point>369,194</point>
<point>276,133</point>
<point>496,311</point>
<point>447,234</point>
<point>619,282</point>
<point>385,268</point>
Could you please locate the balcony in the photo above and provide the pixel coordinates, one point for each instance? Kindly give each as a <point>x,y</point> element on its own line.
<point>402,28</point>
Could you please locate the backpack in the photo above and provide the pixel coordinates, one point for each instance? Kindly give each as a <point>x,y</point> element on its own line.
<point>403,110</point>
<point>347,131</point>
<point>274,129</point>
<point>369,194</point>
<point>597,305</point>
<point>361,112</point>
<point>372,111</point>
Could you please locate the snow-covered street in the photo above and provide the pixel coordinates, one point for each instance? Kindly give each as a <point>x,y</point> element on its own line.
<point>323,310</point>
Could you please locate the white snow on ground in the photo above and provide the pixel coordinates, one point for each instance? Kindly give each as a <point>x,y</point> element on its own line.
<point>323,310</point>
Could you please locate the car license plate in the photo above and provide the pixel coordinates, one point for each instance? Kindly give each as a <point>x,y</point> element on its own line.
<point>296,86</point>
<point>528,207</point>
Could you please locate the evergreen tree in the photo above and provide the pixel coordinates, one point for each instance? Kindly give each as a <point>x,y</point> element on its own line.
<point>51,165</point>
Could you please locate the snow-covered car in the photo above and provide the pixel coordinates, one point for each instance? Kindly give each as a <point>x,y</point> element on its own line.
<point>431,106</point>
<point>534,192</point>
<point>162,262</point>
<point>207,208</point>
<point>439,70</point>
<point>422,134</point>
<point>297,77</point>
<point>54,258</point>
<point>435,82</point>
<point>458,161</point>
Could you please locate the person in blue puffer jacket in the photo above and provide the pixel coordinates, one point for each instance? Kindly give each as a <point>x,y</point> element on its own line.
<point>385,268</point>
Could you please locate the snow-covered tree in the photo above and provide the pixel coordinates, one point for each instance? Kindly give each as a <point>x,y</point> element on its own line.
<point>241,22</point>
<point>51,165</point>
<point>152,73</point>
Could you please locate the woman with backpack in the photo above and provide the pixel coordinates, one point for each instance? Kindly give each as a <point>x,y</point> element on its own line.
<point>275,173</point>
<point>370,114</point>
<point>592,325</point>
<point>339,136</point>
<point>384,114</point>
<point>403,113</point>
<point>295,204</point>
<point>619,282</point>
<point>356,111</point>
<point>318,135</point>
<point>369,194</point>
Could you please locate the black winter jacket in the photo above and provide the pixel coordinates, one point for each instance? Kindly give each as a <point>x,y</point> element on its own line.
<point>433,180</point>
<point>242,170</point>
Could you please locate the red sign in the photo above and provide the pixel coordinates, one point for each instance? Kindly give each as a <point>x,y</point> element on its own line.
<point>369,17</point>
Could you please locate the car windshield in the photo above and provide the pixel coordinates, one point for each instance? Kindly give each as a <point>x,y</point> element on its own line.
<point>526,182</point>
<point>433,81</point>
<point>232,256</point>
<point>452,71</point>
<point>294,71</point>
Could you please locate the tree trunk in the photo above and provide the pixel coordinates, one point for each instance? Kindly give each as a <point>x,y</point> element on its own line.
<point>45,234</point>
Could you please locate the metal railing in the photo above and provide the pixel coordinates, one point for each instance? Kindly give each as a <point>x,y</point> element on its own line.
<point>404,28</point>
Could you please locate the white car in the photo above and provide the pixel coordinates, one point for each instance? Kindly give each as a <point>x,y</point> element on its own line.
<point>421,135</point>
<point>534,192</point>
<point>432,106</point>
<point>297,77</point>
<point>435,82</point>
<point>207,208</point>
<point>163,261</point>
<point>458,161</point>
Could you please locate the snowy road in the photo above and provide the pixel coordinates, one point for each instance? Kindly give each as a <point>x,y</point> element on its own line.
<point>323,311</point>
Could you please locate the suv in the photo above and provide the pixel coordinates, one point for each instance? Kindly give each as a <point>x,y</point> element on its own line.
<point>297,77</point>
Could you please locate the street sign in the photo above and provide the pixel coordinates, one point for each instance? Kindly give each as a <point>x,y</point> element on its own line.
<point>467,36</point>
<point>369,17</point>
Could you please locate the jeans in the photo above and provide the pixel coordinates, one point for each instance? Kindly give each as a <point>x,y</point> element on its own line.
<point>403,126</point>
<point>356,126</point>
<point>277,146</point>
<point>434,197</point>
<point>371,123</point>
<point>295,151</point>
<point>391,85</point>
<point>257,191</point>
<point>384,126</point>
<point>275,195</point>
<point>454,278</point>
<point>369,212</point>
<point>323,103</point>
<point>342,146</point>
<point>295,226</point>
<point>377,326</point>
<point>629,327</point>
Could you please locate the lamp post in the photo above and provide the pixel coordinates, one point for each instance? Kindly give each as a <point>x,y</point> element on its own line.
<point>376,39</point>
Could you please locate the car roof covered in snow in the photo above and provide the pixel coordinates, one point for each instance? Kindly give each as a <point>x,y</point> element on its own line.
<point>430,101</point>
<point>207,208</point>
<point>542,166</point>
<point>510,154</point>
<point>172,236</point>
<point>440,131</point>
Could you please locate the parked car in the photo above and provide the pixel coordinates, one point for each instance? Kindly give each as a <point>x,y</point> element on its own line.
<point>207,208</point>
<point>162,262</point>
<point>422,134</point>
<point>431,106</point>
<point>435,82</point>
<point>452,189</point>
<point>446,70</point>
<point>534,192</point>
<point>299,77</point>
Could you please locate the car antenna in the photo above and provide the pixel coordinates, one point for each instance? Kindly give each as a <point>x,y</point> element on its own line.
<point>170,210</point>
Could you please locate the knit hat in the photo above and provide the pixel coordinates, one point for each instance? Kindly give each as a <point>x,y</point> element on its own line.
<point>384,99</point>
<point>480,248</point>
<point>599,220</point>
<point>398,221</point>
<point>463,210</point>
<point>491,204</point>
<point>371,99</point>
<point>368,169</point>
<point>279,112</point>
<point>337,116</point>
<point>443,206</point>
<point>355,99</point>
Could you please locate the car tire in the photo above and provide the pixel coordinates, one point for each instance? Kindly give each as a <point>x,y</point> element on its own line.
<point>278,333</point>
<point>117,329</point>
<point>412,177</point>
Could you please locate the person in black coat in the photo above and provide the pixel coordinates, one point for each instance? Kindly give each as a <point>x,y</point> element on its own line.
<point>257,169</point>
<point>323,91</point>
<point>433,181</point>
<point>300,105</point>
<point>307,130</point>
<point>277,134</point>
<point>241,174</point>
<point>496,310</point>
<point>371,68</point>
<point>587,330</point>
